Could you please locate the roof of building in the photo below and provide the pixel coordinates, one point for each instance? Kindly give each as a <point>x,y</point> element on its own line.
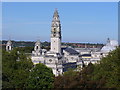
<point>9,42</point>
<point>86,55</point>
<point>71,51</point>
<point>110,46</point>
<point>69,63</point>
<point>56,13</point>
<point>37,42</point>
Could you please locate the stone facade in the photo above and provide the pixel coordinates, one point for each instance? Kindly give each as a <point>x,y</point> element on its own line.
<point>61,59</point>
<point>56,34</point>
<point>9,46</point>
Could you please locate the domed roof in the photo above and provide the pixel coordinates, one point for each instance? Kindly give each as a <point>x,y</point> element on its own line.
<point>110,46</point>
<point>107,48</point>
<point>113,43</point>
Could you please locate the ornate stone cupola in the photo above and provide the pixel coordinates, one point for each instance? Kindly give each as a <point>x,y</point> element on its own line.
<point>9,45</point>
<point>37,46</point>
<point>37,49</point>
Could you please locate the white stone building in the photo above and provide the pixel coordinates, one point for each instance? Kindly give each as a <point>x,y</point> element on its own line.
<point>94,55</point>
<point>61,59</point>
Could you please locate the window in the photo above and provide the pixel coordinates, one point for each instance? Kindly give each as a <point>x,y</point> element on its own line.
<point>36,47</point>
<point>50,60</point>
<point>8,47</point>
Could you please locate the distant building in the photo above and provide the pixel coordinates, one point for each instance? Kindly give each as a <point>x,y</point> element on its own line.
<point>9,46</point>
<point>110,46</point>
<point>94,55</point>
<point>61,58</point>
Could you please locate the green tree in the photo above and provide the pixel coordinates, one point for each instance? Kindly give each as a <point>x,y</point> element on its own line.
<point>41,77</point>
<point>109,70</point>
<point>67,80</point>
<point>25,49</point>
<point>106,74</point>
<point>15,69</point>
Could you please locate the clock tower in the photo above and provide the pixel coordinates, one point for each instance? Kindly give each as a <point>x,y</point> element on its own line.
<point>56,33</point>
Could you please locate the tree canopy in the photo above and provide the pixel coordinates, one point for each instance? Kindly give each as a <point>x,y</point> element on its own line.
<point>41,77</point>
<point>18,71</point>
<point>106,74</point>
<point>15,69</point>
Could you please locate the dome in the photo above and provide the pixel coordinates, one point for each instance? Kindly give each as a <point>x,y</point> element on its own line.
<point>107,48</point>
<point>110,46</point>
<point>113,43</point>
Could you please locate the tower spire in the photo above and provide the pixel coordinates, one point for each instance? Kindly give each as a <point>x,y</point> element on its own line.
<point>56,33</point>
<point>56,13</point>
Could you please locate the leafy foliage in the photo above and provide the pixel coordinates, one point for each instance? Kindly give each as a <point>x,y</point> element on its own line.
<point>41,77</point>
<point>24,49</point>
<point>103,75</point>
<point>18,72</point>
<point>15,69</point>
<point>109,69</point>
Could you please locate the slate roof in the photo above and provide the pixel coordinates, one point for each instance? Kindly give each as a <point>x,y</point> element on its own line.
<point>71,51</point>
<point>86,55</point>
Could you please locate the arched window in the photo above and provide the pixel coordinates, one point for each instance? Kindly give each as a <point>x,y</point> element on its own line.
<point>8,47</point>
<point>36,47</point>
